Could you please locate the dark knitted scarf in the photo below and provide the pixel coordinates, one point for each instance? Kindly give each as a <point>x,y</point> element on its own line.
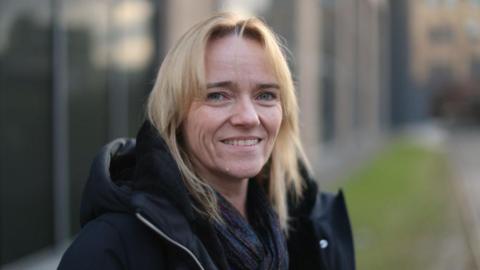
<point>259,244</point>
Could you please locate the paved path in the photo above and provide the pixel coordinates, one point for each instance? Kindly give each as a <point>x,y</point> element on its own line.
<point>463,146</point>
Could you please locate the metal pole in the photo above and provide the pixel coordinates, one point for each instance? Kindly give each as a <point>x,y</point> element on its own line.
<point>117,84</point>
<point>61,187</point>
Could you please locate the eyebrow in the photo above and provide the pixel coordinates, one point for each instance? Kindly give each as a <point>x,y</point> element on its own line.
<point>268,85</point>
<point>230,84</point>
<point>219,84</point>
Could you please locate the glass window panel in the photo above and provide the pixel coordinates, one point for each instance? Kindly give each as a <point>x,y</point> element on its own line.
<point>112,56</point>
<point>86,28</point>
<point>26,222</point>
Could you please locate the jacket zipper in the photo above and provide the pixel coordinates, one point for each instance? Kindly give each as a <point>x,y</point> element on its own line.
<point>166,237</point>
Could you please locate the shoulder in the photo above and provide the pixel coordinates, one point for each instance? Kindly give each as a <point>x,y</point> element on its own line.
<point>332,227</point>
<point>110,241</point>
<point>329,208</point>
<point>322,237</point>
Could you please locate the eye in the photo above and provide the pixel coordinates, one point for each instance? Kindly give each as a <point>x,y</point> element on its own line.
<point>267,96</point>
<point>216,96</point>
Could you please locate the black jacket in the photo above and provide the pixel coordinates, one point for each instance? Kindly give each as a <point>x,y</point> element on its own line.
<point>136,214</point>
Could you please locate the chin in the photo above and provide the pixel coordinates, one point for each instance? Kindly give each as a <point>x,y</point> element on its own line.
<point>242,171</point>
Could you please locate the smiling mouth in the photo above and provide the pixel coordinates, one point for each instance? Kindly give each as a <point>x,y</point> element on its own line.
<point>238,142</point>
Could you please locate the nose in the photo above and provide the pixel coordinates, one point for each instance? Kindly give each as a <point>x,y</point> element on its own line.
<point>245,113</point>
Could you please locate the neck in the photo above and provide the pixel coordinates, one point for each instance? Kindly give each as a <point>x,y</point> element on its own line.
<point>235,192</point>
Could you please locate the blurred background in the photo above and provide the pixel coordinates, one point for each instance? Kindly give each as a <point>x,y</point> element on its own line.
<point>390,107</point>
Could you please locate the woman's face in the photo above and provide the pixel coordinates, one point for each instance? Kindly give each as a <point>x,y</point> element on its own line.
<point>231,131</point>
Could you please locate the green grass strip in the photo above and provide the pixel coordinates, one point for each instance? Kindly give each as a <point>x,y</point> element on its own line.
<point>400,207</point>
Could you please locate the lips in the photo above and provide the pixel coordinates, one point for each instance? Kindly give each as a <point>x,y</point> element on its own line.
<point>242,142</point>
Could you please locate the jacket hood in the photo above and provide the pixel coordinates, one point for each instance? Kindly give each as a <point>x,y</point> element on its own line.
<point>126,167</point>
<point>102,193</point>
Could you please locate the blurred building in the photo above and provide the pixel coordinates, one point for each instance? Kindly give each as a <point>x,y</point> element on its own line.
<point>445,40</point>
<point>445,57</point>
<point>75,74</point>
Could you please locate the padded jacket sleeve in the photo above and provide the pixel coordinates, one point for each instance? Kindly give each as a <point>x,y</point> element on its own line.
<point>98,246</point>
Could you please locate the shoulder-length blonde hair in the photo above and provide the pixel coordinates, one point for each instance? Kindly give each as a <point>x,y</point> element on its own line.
<point>181,78</point>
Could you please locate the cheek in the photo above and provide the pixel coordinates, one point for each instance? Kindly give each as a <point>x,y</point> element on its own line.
<point>195,135</point>
<point>273,120</point>
<point>199,131</point>
<point>191,131</point>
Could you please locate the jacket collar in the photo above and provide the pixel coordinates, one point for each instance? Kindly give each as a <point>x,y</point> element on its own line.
<point>165,219</point>
<point>157,173</point>
<point>161,196</point>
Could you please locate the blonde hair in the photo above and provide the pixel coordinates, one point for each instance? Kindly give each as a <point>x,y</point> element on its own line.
<point>181,78</point>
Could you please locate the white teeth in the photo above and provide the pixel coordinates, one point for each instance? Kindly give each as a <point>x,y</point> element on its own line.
<point>242,142</point>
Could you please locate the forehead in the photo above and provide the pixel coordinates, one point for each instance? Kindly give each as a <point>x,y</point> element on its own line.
<point>237,54</point>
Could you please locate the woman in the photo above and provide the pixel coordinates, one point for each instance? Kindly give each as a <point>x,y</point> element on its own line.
<point>216,178</point>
